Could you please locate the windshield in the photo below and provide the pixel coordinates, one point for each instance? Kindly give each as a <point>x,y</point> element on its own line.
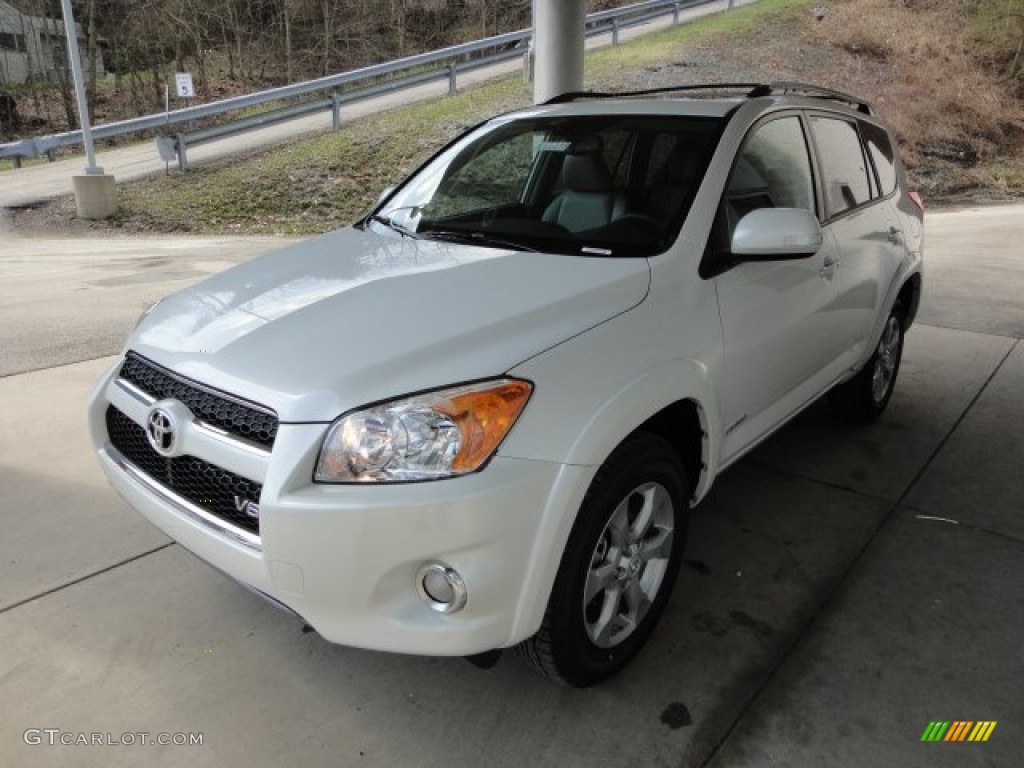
<point>617,185</point>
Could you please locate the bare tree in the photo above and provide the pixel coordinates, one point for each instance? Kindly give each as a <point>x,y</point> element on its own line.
<point>56,36</point>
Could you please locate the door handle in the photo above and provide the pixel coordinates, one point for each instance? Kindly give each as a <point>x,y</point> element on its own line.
<point>895,235</point>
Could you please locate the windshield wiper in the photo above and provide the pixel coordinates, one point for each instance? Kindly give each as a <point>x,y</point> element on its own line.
<point>390,223</point>
<point>475,238</point>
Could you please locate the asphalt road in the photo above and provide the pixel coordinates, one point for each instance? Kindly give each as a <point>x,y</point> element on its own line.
<point>844,587</point>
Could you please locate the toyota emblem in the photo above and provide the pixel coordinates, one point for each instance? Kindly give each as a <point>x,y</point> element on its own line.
<point>161,429</point>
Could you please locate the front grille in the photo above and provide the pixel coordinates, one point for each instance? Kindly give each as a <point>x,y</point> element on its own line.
<point>205,485</point>
<point>250,422</point>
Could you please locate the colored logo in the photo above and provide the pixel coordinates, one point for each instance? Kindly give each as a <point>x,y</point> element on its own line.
<point>958,730</point>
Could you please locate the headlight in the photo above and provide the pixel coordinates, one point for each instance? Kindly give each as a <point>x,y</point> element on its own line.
<point>426,437</point>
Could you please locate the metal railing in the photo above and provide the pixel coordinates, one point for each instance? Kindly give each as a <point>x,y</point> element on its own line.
<point>341,88</point>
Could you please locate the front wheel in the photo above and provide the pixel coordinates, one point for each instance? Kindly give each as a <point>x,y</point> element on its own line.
<point>864,397</point>
<point>618,568</point>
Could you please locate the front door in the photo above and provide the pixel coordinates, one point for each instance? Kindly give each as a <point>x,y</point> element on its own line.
<point>778,323</point>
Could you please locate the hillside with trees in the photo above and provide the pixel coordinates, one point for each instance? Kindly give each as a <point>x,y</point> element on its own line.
<point>133,47</point>
<point>947,75</point>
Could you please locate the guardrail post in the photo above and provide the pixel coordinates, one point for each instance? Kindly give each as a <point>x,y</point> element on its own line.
<point>452,70</point>
<point>17,161</point>
<point>179,144</point>
<point>730,4</point>
<point>615,31</point>
<point>335,109</point>
<point>675,13</point>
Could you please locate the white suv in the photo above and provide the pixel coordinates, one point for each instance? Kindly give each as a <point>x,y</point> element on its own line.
<point>478,418</point>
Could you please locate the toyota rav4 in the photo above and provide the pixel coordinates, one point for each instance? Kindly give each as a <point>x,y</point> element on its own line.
<point>478,418</point>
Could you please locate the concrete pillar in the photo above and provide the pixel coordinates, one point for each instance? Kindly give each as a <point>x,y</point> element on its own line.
<point>95,195</point>
<point>558,27</point>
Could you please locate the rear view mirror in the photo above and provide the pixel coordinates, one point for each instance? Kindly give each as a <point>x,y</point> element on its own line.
<point>769,234</point>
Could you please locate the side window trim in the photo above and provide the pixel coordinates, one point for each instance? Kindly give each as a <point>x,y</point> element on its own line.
<point>874,181</point>
<point>817,174</point>
<point>812,161</point>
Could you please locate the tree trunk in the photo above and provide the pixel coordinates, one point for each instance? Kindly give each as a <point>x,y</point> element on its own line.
<point>287,43</point>
<point>328,37</point>
<point>398,19</point>
<point>9,121</point>
<point>238,46</point>
<point>226,42</point>
<point>158,91</point>
<point>31,60</point>
<point>61,65</point>
<point>91,58</point>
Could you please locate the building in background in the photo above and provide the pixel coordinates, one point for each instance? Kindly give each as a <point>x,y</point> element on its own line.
<point>35,48</point>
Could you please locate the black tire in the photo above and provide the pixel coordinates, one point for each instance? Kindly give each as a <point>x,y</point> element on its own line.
<point>629,563</point>
<point>863,398</point>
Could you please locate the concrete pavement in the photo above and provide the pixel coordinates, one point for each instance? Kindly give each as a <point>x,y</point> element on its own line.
<point>825,616</point>
<point>41,182</point>
<point>43,319</point>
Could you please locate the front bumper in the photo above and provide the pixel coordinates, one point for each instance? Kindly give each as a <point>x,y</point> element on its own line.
<point>346,557</point>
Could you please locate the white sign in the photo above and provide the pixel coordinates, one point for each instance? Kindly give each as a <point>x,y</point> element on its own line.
<point>184,82</point>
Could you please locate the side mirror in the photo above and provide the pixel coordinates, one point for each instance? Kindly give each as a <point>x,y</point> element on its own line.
<point>776,234</point>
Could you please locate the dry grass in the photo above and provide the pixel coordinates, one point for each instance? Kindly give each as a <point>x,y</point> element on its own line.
<point>924,59</point>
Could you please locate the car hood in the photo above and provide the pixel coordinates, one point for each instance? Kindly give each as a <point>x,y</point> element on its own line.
<point>352,317</point>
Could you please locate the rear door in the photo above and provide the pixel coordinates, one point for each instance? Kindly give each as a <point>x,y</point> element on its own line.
<point>859,214</point>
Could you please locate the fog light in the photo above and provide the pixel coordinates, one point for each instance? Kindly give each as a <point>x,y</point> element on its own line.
<point>442,588</point>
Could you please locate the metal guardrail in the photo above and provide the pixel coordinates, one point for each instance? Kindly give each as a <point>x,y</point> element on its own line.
<point>445,63</point>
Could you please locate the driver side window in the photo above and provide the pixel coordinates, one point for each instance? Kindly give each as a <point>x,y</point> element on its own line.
<point>773,170</point>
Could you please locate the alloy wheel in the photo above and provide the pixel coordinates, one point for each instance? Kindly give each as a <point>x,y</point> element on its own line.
<point>628,565</point>
<point>886,359</point>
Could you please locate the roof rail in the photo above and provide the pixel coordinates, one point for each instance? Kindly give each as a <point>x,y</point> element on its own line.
<point>575,95</point>
<point>750,90</point>
<point>812,91</point>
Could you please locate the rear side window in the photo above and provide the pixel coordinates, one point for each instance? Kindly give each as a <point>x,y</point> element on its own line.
<point>846,181</point>
<point>882,155</point>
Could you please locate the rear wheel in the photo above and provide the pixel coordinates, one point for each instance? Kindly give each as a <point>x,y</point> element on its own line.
<point>863,398</point>
<point>618,568</point>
